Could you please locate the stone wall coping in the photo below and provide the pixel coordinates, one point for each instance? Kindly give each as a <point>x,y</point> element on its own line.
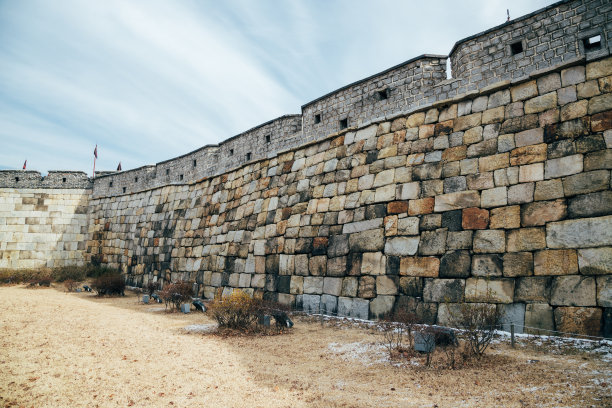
<point>400,65</point>
<point>507,23</point>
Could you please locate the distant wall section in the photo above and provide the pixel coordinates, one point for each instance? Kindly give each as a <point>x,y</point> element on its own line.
<point>42,227</point>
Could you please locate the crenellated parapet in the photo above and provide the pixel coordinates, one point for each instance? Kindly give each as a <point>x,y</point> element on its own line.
<point>55,179</point>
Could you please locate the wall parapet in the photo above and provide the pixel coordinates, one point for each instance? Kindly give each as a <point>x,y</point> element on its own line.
<point>34,179</point>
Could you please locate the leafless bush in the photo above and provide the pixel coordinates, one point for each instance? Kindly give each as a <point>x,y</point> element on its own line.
<point>479,321</point>
<point>177,293</point>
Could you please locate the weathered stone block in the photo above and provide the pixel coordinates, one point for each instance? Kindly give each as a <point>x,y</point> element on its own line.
<point>588,182</point>
<point>433,242</point>
<point>420,266</point>
<point>528,154</point>
<point>381,305</point>
<point>386,285</point>
<point>367,287</point>
<point>541,103</point>
<point>329,305</point>
<point>601,121</point>
<point>598,160</point>
<point>591,205</point>
<point>367,241</point>
<point>573,290</point>
<point>548,190</point>
<point>582,233</point>
<point>356,308</point>
<point>494,197</point>
<point>567,130</point>
<point>518,264</point>
<point>488,241</point>
<point>456,264</point>
<point>604,291</point>
<point>600,103</point>
<point>317,265</point>
<point>313,285</point>
<point>582,320</point>
<point>529,137</point>
<point>487,265</point>
<point>373,263</point>
<point>556,262</point>
<point>595,261</point>
<point>533,289</point>
<point>494,162</point>
<point>338,245</point>
<point>599,69</point>
<point>542,212</point>
<point>349,286</point>
<point>497,290</point>
<point>336,266</point>
<point>506,217</point>
<point>526,239</point>
<point>311,303</point>
<point>475,218</point>
<point>521,193</point>
<point>452,220</point>
<point>524,91</point>
<point>519,124</point>
<point>564,166</point>
<point>459,240</point>
<point>574,110</point>
<point>402,246</point>
<point>332,286</point>
<point>572,75</point>
<point>468,121</point>
<point>411,286</point>
<point>455,201</point>
<point>443,290</point>
<point>538,316</point>
<point>421,206</point>
<point>512,314</point>
<point>548,83</point>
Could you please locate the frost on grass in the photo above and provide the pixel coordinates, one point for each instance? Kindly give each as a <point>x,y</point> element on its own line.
<point>365,353</point>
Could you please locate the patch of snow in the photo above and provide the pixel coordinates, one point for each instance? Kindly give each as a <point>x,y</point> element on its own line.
<point>201,328</point>
<point>366,353</point>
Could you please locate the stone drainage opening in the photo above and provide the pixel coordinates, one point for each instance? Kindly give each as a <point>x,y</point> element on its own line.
<point>343,123</point>
<point>516,47</point>
<point>248,156</point>
<point>592,43</point>
<point>16,179</point>
<point>382,95</point>
<point>317,118</point>
<point>124,190</point>
<point>195,163</point>
<point>231,152</point>
<point>267,138</point>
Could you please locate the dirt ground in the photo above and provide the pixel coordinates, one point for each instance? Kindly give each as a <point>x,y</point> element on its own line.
<point>62,349</point>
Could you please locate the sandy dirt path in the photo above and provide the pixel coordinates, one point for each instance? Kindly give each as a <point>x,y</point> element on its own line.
<point>69,350</point>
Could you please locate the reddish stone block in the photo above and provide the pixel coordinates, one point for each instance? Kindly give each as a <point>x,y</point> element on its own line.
<point>319,245</point>
<point>421,206</point>
<point>444,128</point>
<point>475,218</point>
<point>601,121</point>
<point>397,207</point>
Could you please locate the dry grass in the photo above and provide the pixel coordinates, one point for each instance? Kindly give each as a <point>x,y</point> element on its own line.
<point>59,349</point>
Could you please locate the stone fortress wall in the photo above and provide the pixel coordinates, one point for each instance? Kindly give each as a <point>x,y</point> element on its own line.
<point>433,192</point>
<point>43,220</point>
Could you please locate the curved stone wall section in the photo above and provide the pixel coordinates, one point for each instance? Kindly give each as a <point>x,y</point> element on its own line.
<point>395,90</point>
<point>43,227</point>
<point>543,39</point>
<point>502,198</point>
<point>260,142</point>
<point>33,179</point>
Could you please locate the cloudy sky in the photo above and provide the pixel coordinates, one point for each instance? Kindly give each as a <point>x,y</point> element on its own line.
<point>147,80</point>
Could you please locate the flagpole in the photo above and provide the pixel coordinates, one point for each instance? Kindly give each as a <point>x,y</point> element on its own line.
<point>95,157</point>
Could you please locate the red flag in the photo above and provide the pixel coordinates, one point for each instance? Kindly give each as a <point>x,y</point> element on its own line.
<point>119,167</point>
<point>96,152</point>
<point>24,164</point>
